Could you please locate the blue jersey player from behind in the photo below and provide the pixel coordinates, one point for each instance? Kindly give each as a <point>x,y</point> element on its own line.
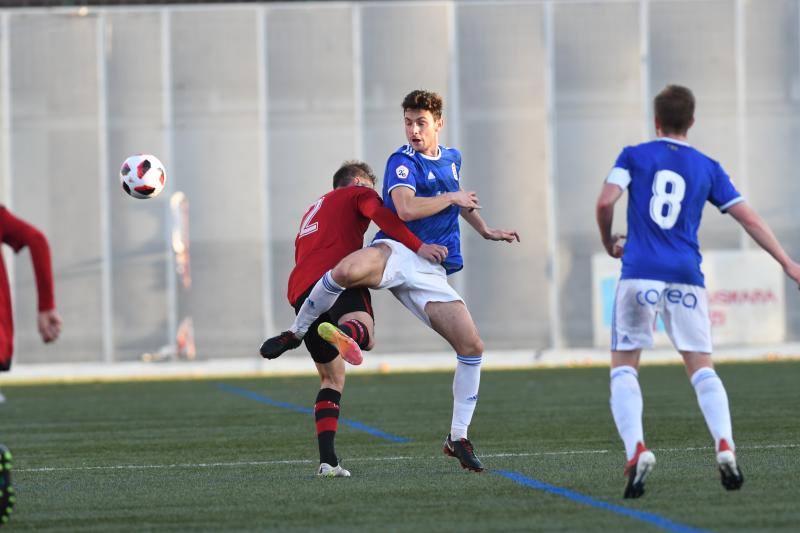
<point>668,184</point>
<point>422,184</point>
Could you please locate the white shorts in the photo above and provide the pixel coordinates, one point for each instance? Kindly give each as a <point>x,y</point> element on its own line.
<point>415,281</point>
<point>683,309</point>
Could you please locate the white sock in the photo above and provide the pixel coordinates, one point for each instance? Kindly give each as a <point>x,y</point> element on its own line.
<point>626,406</point>
<point>713,401</point>
<point>321,298</point>
<point>466,382</point>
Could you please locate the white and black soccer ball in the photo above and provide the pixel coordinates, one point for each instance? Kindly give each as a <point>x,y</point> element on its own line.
<point>143,176</point>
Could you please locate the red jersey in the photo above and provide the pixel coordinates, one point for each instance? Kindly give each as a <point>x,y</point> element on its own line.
<point>333,227</point>
<point>18,234</point>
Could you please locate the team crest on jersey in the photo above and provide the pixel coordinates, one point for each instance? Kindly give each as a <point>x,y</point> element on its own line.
<point>455,171</point>
<point>402,172</point>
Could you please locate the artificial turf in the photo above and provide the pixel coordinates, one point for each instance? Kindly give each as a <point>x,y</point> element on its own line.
<point>195,455</point>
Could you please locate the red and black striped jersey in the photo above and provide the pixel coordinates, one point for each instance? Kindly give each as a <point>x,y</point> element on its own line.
<point>333,227</point>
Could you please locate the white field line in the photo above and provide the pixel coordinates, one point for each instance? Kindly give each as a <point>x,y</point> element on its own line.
<point>365,459</point>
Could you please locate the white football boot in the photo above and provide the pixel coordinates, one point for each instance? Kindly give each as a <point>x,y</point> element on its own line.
<point>637,470</point>
<point>326,470</point>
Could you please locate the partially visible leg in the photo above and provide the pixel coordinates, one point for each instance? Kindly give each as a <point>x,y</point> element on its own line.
<point>352,313</point>
<point>626,407</point>
<point>626,399</point>
<point>689,326</point>
<point>713,401</point>
<point>363,268</point>
<point>453,322</point>
<point>348,337</point>
<point>326,414</point>
<point>360,327</point>
<point>631,330</point>
<point>711,396</point>
<point>6,349</point>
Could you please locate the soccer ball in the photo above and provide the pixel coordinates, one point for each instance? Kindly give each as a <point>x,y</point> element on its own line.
<point>142,176</point>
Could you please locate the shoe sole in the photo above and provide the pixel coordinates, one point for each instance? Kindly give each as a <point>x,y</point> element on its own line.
<point>448,452</point>
<point>637,477</point>
<point>7,495</point>
<point>730,475</point>
<point>347,347</point>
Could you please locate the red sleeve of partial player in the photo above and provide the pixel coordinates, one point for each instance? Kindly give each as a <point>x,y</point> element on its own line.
<point>372,208</point>
<point>18,234</point>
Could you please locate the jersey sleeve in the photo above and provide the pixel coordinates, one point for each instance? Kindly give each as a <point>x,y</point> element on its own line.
<point>400,172</point>
<point>371,206</point>
<point>620,175</point>
<point>17,233</point>
<point>723,194</point>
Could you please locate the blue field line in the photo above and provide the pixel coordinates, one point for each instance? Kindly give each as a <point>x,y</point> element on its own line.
<point>650,518</point>
<point>355,424</point>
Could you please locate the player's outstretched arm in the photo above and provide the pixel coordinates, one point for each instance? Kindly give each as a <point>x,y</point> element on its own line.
<point>759,230</point>
<point>478,224</point>
<point>604,212</point>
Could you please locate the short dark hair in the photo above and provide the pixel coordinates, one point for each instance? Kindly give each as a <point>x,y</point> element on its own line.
<point>350,170</point>
<point>425,101</point>
<point>674,109</point>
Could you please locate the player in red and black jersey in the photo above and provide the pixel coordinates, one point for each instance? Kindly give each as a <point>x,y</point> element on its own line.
<point>18,234</point>
<point>332,228</point>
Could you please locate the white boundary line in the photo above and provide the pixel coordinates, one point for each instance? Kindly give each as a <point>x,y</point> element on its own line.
<point>367,459</point>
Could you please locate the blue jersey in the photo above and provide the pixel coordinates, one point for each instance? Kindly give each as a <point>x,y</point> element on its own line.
<point>428,176</point>
<point>668,185</point>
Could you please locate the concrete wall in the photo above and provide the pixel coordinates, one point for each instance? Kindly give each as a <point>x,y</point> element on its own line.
<point>252,107</point>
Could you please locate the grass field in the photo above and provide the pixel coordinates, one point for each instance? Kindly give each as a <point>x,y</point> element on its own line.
<point>212,455</point>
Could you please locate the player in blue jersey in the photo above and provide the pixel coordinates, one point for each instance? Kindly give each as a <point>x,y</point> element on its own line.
<point>668,184</point>
<point>422,185</point>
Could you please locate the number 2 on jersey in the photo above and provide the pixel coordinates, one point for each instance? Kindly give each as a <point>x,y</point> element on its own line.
<point>666,206</point>
<point>307,227</point>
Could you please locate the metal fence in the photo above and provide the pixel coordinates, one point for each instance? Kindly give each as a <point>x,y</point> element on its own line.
<point>252,107</point>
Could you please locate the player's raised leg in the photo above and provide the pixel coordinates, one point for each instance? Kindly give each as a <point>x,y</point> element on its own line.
<point>626,407</point>
<point>453,321</point>
<point>713,401</point>
<point>363,268</point>
<point>353,334</point>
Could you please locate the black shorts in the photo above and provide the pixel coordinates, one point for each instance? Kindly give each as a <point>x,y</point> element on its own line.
<point>350,301</point>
